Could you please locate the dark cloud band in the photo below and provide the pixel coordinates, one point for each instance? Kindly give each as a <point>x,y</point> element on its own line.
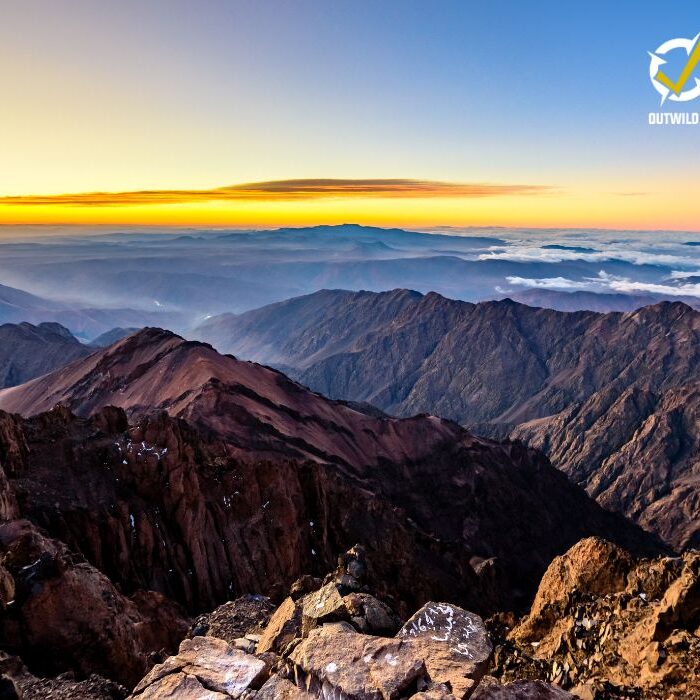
<point>286,190</point>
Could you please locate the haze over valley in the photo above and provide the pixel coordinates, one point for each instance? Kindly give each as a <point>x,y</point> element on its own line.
<point>93,281</point>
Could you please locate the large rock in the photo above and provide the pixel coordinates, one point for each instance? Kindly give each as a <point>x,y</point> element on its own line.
<point>356,665</point>
<point>66,615</point>
<point>324,604</point>
<point>592,566</point>
<point>607,638</point>
<point>206,668</point>
<point>454,643</point>
<point>284,626</point>
<point>441,645</point>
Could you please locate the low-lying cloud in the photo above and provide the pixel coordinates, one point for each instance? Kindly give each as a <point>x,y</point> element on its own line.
<point>286,190</point>
<point>538,253</point>
<point>605,282</point>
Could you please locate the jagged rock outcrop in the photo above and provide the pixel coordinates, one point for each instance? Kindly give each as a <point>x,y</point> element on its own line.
<point>611,398</point>
<point>252,481</point>
<point>28,351</point>
<point>608,626</point>
<point>66,615</point>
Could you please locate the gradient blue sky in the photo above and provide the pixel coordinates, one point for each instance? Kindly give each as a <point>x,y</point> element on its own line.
<point>172,94</point>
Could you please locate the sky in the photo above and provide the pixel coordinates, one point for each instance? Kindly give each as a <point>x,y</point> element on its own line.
<point>406,113</point>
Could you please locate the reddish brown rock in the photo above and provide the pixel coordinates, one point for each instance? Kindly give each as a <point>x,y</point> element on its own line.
<point>592,566</point>
<point>358,666</point>
<point>618,636</point>
<point>68,615</point>
<point>284,626</point>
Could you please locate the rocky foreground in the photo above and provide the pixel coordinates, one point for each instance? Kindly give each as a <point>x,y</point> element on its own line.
<point>603,626</point>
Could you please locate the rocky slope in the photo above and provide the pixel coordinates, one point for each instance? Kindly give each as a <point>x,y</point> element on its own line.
<point>250,480</point>
<point>610,626</point>
<point>335,639</point>
<point>589,389</point>
<point>28,351</point>
<point>603,626</point>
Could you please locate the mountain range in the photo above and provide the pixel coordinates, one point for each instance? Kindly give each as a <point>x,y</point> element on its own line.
<point>592,390</point>
<point>197,475</point>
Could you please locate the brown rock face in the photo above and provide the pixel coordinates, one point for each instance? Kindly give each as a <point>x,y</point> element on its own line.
<point>611,398</point>
<point>630,633</point>
<point>66,614</point>
<point>251,481</point>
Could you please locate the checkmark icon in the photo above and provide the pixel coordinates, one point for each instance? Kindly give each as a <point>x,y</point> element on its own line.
<point>677,86</point>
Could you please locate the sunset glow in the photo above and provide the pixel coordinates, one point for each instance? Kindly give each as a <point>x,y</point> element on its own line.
<point>165,114</point>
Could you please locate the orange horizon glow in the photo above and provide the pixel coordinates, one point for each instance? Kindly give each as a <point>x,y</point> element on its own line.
<point>382,202</point>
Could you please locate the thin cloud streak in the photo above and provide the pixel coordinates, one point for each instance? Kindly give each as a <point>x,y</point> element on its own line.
<point>282,190</point>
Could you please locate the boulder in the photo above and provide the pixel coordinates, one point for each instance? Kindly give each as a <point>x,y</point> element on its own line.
<point>592,566</point>
<point>454,644</point>
<point>324,604</point>
<point>355,665</point>
<point>204,665</point>
<point>284,626</point>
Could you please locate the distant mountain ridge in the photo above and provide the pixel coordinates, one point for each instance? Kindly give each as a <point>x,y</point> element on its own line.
<point>85,321</point>
<point>595,301</point>
<point>28,351</point>
<point>582,386</point>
